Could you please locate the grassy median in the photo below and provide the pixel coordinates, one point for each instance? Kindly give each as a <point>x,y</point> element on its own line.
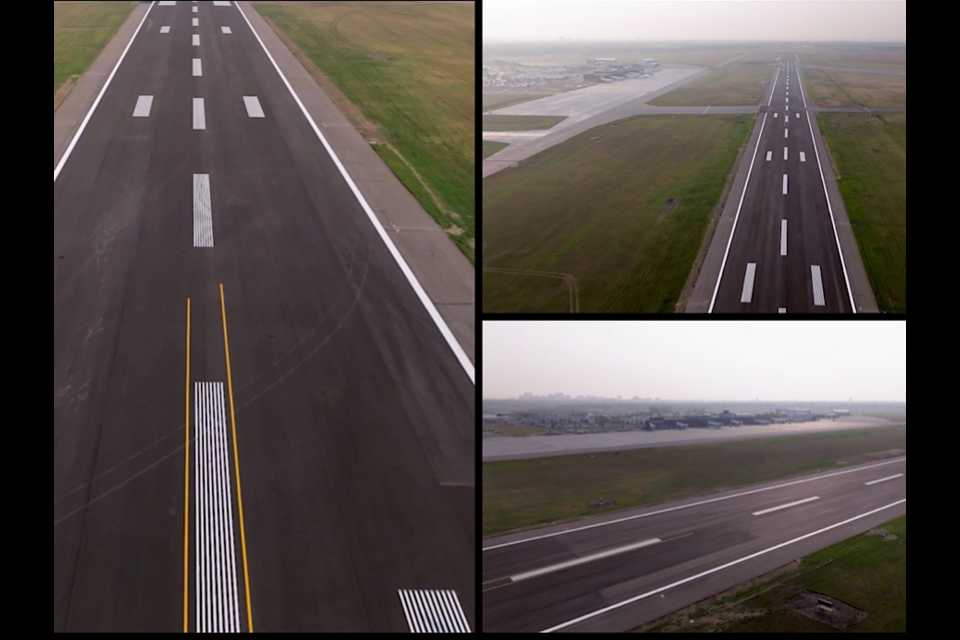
<point>406,73</point>
<point>732,86</point>
<point>622,209</point>
<point>80,31</point>
<point>525,493</point>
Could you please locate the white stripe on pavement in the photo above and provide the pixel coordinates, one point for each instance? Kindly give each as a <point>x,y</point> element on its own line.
<point>196,22</point>
<point>202,213</point>
<point>785,506</point>
<point>899,475</point>
<point>782,310</point>
<point>775,114</point>
<point>164,29</point>
<point>798,114</point>
<point>784,153</point>
<point>199,115</point>
<point>196,40</point>
<point>784,184</point>
<point>803,156</point>
<point>747,294</point>
<point>785,132</point>
<point>585,560</point>
<point>434,612</point>
<point>769,155</point>
<point>197,68</point>
<point>783,237</point>
<point>254,110</point>
<point>226,30</point>
<point>144,104</point>
<point>817,286</point>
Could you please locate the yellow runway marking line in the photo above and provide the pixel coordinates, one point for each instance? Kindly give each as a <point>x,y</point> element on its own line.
<point>186,495</point>
<point>236,460</point>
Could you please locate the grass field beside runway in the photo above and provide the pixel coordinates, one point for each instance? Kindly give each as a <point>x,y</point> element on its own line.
<point>490,148</point>
<point>80,31</point>
<point>870,153</point>
<point>520,123</point>
<point>868,571</point>
<point>879,60</point>
<point>500,100</point>
<point>847,89</point>
<point>732,86</point>
<point>407,70</point>
<point>624,214</point>
<point>526,493</point>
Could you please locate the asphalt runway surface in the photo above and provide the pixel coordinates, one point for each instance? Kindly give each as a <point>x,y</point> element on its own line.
<point>331,430</point>
<point>783,251</point>
<point>617,572</point>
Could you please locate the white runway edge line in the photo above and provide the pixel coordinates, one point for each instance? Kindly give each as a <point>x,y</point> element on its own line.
<point>785,506</point>
<point>202,213</point>
<point>96,103</point>
<point>218,606</point>
<point>144,104</point>
<point>425,300</point>
<point>585,560</point>
<point>434,612</point>
<point>199,115</point>
<point>720,568</point>
<point>748,278</point>
<point>817,286</point>
<point>197,67</point>
<point>869,484</point>
<point>696,504</point>
<point>833,221</point>
<point>783,237</point>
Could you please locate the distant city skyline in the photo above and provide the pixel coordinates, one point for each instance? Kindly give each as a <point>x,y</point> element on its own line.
<point>723,361</point>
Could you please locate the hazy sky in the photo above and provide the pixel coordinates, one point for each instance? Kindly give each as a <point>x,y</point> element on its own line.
<point>806,361</point>
<point>873,20</point>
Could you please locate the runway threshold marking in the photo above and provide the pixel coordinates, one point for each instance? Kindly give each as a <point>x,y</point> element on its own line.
<point>785,506</point>
<point>868,484</point>
<point>236,458</point>
<point>434,612</point>
<point>186,491</point>
<point>202,212</point>
<point>694,504</point>
<point>746,295</point>
<point>817,286</point>
<point>527,575</point>
<point>734,563</point>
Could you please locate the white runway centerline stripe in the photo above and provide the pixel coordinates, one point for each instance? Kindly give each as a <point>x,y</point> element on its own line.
<point>899,475</point>
<point>782,310</point>
<point>434,612</point>
<point>199,115</point>
<point>769,155</point>
<point>197,67</point>
<point>784,184</point>
<point>803,156</point>
<point>194,9</point>
<point>785,506</point>
<point>785,132</point>
<point>798,114</point>
<point>226,30</point>
<point>164,29</point>
<point>585,560</point>
<point>144,104</point>
<point>196,40</point>
<point>775,114</point>
<point>747,294</point>
<point>817,286</point>
<point>254,110</point>
<point>784,153</point>
<point>220,3</point>
<point>196,22</point>
<point>167,3</point>
<point>202,213</point>
<point>783,237</point>
<point>218,606</point>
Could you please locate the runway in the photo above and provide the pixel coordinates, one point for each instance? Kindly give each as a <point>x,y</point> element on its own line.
<point>214,269</point>
<point>617,572</point>
<point>784,244</point>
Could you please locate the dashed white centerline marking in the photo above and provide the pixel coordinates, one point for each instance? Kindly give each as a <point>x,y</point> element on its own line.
<point>817,286</point>
<point>585,560</point>
<point>164,29</point>
<point>785,132</point>
<point>202,213</point>
<point>254,110</point>
<point>167,3</point>
<point>783,237</point>
<point>221,3</point>
<point>196,22</point>
<point>196,40</point>
<point>144,104</point>
<point>775,114</point>
<point>769,155</point>
<point>785,506</point>
<point>199,115</point>
<point>226,30</point>
<point>782,310</point>
<point>803,156</point>
<point>197,68</point>
<point>747,295</point>
<point>784,184</point>
<point>784,153</point>
<point>195,10</point>
<point>434,612</point>
<point>899,475</point>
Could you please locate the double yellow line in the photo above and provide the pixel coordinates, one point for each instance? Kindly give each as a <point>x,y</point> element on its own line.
<point>236,462</point>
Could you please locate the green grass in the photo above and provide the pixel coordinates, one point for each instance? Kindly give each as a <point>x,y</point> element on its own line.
<point>870,153</point>
<point>80,32</point>
<point>520,123</point>
<point>527,292</point>
<point>525,493</point>
<point>845,89</point>
<point>409,69</point>
<point>490,148</point>
<point>597,209</point>
<point>879,60</point>
<point>732,86</point>
<point>500,100</point>
<point>867,571</point>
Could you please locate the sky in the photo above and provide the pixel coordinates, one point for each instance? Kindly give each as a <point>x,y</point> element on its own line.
<point>711,360</point>
<point>780,20</point>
